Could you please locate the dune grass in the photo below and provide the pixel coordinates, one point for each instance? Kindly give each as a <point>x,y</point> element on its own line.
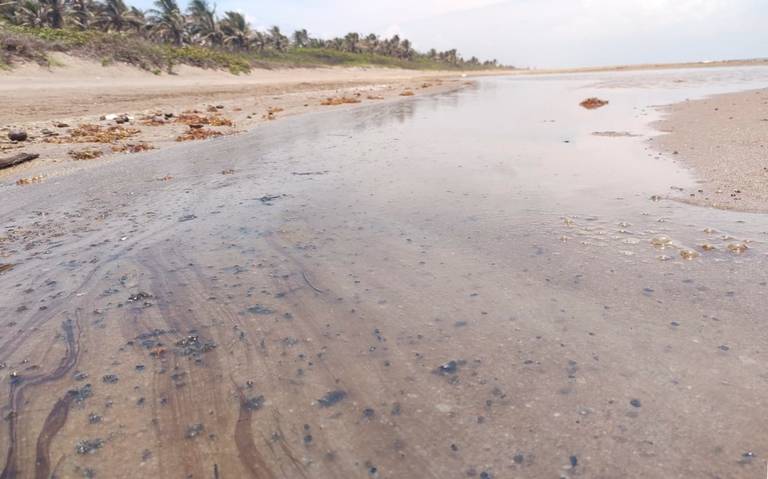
<point>35,44</point>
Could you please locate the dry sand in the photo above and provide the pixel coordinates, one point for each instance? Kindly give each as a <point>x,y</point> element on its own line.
<point>724,139</point>
<point>48,103</point>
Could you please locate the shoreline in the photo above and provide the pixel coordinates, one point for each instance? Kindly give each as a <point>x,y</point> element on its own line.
<point>718,138</point>
<point>723,140</point>
<point>650,66</point>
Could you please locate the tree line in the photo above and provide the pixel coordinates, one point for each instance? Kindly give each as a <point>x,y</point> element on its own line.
<point>199,24</point>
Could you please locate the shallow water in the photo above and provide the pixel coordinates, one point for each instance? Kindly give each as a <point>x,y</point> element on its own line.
<point>462,285</point>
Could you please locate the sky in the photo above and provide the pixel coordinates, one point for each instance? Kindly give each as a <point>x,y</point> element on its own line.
<point>537,33</point>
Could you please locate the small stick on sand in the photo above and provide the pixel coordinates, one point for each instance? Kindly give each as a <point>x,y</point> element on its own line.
<point>304,275</point>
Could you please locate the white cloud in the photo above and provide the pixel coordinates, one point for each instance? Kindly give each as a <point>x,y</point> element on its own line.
<point>590,32</point>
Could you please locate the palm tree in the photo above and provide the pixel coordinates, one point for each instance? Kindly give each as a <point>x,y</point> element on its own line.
<point>393,46</point>
<point>406,50</point>
<point>8,10</point>
<point>451,56</point>
<point>257,41</point>
<point>39,13</point>
<point>115,16</point>
<point>202,23</point>
<point>371,43</point>
<point>167,22</point>
<point>82,13</point>
<point>300,38</point>
<point>138,19</point>
<point>56,12</point>
<point>316,43</point>
<point>236,30</point>
<point>276,38</point>
<point>31,13</point>
<point>334,44</point>
<point>351,42</point>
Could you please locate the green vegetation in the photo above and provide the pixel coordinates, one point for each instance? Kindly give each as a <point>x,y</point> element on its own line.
<point>158,39</point>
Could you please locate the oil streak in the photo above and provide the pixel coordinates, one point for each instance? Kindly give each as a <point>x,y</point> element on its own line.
<point>56,418</point>
<point>249,455</point>
<point>53,424</point>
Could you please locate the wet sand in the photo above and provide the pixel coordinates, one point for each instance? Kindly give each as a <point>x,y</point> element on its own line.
<point>333,296</point>
<point>724,139</point>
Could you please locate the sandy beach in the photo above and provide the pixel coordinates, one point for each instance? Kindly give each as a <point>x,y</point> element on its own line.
<point>480,280</point>
<point>476,239</point>
<point>724,139</point>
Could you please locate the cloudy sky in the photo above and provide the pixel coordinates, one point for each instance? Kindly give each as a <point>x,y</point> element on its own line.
<point>538,33</point>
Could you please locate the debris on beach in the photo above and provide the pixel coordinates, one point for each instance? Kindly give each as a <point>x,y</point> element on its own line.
<point>193,346</point>
<point>140,296</point>
<point>375,97</point>
<point>447,369</point>
<point>268,199</point>
<point>198,134</point>
<point>407,93</point>
<point>332,398</point>
<point>661,241</point>
<point>271,112</point>
<point>190,118</point>
<point>253,404</point>
<point>80,395</point>
<point>31,180</point>
<point>133,147</point>
<point>615,134</point>
<point>154,120</point>
<point>259,309</point>
<point>17,159</point>
<point>689,254</point>
<point>17,135</point>
<point>119,119</point>
<point>593,103</point>
<point>194,430</point>
<point>88,446</point>
<point>90,133</point>
<point>85,154</point>
<point>339,101</point>
<point>217,120</point>
<point>737,248</point>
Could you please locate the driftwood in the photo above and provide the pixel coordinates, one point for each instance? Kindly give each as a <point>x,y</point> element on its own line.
<point>16,159</point>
